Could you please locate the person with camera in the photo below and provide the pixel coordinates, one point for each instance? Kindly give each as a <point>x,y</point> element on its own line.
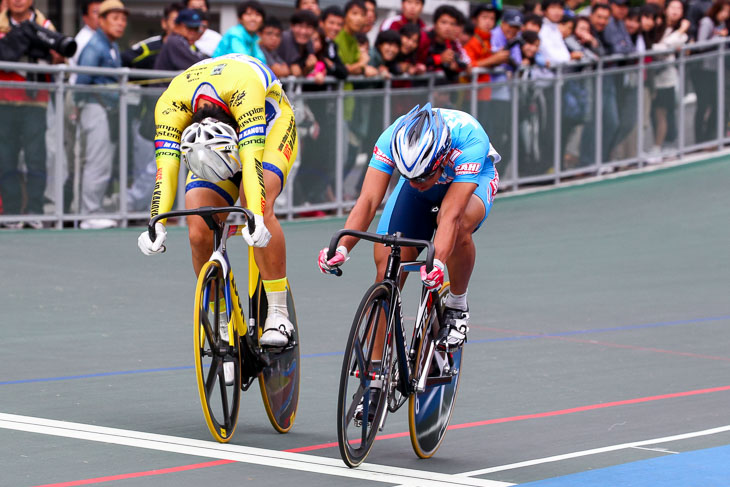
<point>99,111</point>
<point>26,36</point>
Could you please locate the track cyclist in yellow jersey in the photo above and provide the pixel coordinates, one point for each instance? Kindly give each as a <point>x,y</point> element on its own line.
<point>230,121</point>
<point>447,186</point>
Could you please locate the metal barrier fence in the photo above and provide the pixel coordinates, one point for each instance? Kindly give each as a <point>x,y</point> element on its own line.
<point>576,120</point>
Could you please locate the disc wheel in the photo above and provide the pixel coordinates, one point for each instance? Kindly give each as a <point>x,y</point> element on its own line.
<point>220,401</point>
<point>279,377</point>
<point>429,411</point>
<point>362,379</point>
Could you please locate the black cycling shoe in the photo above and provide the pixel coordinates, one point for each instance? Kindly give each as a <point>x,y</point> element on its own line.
<point>453,334</point>
<point>372,406</point>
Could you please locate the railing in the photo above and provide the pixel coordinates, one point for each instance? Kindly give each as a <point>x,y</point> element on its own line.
<point>582,119</point>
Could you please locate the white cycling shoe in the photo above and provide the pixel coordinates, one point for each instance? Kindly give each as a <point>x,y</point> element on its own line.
<point>278,331</point>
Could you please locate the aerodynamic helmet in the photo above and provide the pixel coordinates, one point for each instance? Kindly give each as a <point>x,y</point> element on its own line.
<point>210,150</point>
<point>419,142</point>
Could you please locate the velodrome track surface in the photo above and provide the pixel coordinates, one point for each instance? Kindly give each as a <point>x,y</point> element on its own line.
<point>599,353</point>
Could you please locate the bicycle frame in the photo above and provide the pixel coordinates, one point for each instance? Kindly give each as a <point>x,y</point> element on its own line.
<point>394,270</point>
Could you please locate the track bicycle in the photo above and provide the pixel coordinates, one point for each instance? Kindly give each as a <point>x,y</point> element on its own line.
<point>377,379</point>
<point>277,369</point>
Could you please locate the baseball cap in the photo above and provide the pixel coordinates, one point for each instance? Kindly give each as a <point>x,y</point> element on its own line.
<point>513,17</point>
<point>112,6</point>
<point>620,2</point>
<point>190,18</point>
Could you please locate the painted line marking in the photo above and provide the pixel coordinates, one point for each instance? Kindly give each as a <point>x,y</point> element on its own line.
<point>136,475</point>
<point>622,446</point>
<point>526,336</point>
<point>257,456</point>
<point>658,450</point>
<point>546,414</point>
<point>612,345</point>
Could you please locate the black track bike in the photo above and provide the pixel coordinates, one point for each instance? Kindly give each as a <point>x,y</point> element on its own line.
<point>382,370</point>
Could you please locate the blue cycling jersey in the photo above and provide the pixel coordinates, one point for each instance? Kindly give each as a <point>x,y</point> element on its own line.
<point>465,161</point>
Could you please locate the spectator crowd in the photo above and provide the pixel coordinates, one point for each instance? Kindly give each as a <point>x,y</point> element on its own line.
<point>348,42</point>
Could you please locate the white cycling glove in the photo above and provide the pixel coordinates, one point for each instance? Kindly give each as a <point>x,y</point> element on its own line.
<point>147,246</point>
<point>261,235</point>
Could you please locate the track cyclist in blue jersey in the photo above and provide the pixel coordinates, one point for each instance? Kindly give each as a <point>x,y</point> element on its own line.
<point>447,185</point>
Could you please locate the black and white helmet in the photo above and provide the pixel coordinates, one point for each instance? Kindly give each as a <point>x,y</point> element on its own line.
<point>210,150</point>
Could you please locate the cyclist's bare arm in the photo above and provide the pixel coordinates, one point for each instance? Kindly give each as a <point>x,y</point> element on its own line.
<point>371,195</point>
<point>453,216</point>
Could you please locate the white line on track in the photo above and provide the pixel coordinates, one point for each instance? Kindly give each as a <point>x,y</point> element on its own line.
<point>568,456</point>
<point>257,456</point>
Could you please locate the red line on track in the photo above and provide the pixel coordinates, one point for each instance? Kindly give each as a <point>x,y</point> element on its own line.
<point>546,414</point>
<point>148,473</point>
<point>323,446</point>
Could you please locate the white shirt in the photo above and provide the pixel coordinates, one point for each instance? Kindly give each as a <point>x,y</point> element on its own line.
<point>208,42</point>
<point>82,38</point>
<point>552,45</point>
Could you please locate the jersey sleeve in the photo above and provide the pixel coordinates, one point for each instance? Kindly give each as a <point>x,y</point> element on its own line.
<point>170,119</point>
<point>469,159</point>
<point>382,158</point>
<point>248,108</point>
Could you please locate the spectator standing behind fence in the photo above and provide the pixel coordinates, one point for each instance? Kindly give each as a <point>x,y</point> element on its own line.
<point>696,10</point>
<point>664,105</point>
<point>209,39</point>
<point>23,121</point>
<point>296,45</point>
<point>90,18</point>
<point>442,54</point>
<point>179,52</point>
<point>311,5</point>
<point>410,14</point>
<point>270,41</point>
<point>142,55</point>
<point>243,38</point>
<point>347,46</point>
<point>410,35</point>
<point>479,49</point>
<point>712,26</point>
<point>371,17</point>
<point>552,45</point>
<point>499,122</point>
<point>100,112</point>
<point>616,36</point>
<point>384,55</point>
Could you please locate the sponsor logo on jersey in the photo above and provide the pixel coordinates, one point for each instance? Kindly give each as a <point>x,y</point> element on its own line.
<point>238,98</point>
<point>469,168</point>
<point>254,131</point>
<point>158,176</point>
<point>380,156</point>
<point>218,69</point>
<point>167,144</point>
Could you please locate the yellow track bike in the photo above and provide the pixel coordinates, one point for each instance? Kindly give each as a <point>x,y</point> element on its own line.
<point>277,369</point>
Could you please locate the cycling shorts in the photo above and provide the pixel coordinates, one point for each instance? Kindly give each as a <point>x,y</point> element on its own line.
<point>413,213</point>
<point>280,152</point>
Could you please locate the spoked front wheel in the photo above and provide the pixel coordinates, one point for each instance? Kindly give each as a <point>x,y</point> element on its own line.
<point>362,399</point>
<point>438,374</point>
<point>220,398</point>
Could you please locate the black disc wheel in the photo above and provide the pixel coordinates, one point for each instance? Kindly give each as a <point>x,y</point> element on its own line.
<point>279,376</point>
<point>362,400</point>
<point>217,362</point>
<point>438,374</point>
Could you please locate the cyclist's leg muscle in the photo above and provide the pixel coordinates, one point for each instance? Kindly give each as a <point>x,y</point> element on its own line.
<point>201,192</point>
<point>461,261</point>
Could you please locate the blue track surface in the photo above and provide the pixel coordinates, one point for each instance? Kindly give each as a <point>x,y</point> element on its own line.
<point>712,466</point>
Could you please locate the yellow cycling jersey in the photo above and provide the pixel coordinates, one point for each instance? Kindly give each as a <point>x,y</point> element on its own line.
<point>243,86</point>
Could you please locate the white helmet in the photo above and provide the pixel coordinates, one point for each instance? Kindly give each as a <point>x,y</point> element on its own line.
<point>210,150</point>
<point>419,142</point>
